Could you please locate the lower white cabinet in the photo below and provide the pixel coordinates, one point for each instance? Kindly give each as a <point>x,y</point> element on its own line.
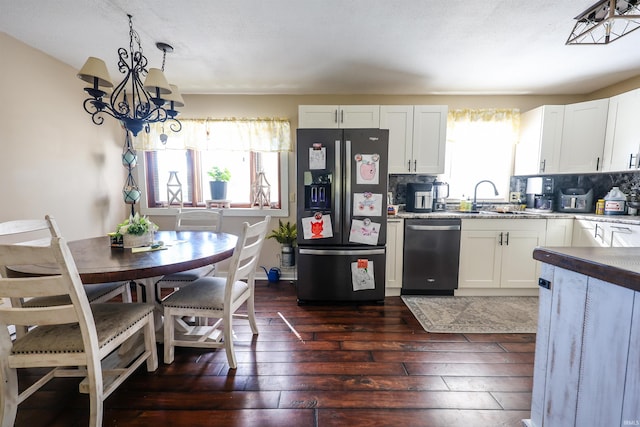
<point>395,245</point>
<point>559,232</point>
<point>594,233</point>
<point>496,253</point>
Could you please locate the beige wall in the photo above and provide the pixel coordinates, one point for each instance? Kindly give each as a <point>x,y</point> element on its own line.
<point>53,159</point>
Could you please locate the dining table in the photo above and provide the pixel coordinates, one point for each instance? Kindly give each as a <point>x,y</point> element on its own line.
<point>99,262</point>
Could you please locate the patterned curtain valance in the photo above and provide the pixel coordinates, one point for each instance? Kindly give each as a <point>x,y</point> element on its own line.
<point>246,134</point>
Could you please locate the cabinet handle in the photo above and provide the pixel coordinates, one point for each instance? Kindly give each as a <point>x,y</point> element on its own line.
<point>631,160</point>
<point>507,238</point>
<point>618,229</point>
<point>596,234</point>
<point>409,165</point>
<point>598,163</point>
<point>335,116</point>
<point>415,166</point>
<point>543,165</point>
<point>341,116</point>
<point>500,241</point>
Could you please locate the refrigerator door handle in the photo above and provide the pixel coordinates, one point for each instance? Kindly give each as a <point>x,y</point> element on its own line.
<point>306,251</point>
<point>338,191</point>
<point>347,179</point>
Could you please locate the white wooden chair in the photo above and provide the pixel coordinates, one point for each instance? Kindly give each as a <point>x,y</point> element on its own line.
<point>98,292</point>
<point>74,339</point>
<point>193,220</point>
<point>217,297</point>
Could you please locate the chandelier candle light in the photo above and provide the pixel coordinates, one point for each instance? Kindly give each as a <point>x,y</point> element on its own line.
<point>133,103</point>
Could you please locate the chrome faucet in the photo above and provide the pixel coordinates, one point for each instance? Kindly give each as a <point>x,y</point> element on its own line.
<point>475,192</point>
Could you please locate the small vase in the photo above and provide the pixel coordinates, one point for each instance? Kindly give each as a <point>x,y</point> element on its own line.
<point>133,241</point>
<point>218,190</point>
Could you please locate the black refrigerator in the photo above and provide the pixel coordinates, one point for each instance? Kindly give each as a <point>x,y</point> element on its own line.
<point>341,214</point>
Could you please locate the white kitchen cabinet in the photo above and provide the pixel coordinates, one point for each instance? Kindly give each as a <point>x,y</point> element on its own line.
<point>622,143</point>
<point>338,116</point>
<point>395,245</point>
<point>583,133</point>
<point>588,233</point>
<point>622,235</point>
<point>559,232</point>
<point>497,253</point>
<point>538,150</point>
<point>417,137</point>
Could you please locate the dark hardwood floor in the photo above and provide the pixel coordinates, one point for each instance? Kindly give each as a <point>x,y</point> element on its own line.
<point>351,365</point>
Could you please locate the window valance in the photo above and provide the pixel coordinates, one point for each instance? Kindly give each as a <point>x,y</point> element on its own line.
<point>502,123</point>
<point>232,134</point>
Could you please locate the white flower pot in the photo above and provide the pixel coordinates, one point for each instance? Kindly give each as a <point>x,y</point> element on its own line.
<point>133,241</point>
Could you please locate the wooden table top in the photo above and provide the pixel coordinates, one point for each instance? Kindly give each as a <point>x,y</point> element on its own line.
<point>98,262</point>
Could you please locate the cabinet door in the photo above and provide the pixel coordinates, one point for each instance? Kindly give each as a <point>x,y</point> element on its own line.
<point>559,232</point>
<point>399,120</point>
<point>429,138</point>
<point>583,136</point>
<point>480,259</point>
<point>318,116</point>
<point>623,127</point>
<point>519,269</point>
<point>588,234</point>
<point>622,235</point>
<point>359,116</point>
<point>395,245</point>
<point>538,150</point>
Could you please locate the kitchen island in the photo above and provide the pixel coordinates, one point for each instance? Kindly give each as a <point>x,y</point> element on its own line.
<point>587,360</point>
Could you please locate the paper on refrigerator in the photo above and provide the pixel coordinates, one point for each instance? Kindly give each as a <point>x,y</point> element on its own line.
<point>362,275</point>
<point>364,231</point>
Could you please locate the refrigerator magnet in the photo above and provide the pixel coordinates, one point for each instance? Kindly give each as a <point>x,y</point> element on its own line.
<point>367,204</point>
<point>362,277</point>
<point>367,168</point>
<point>317,226</point>
<point>317,157</point>
<point>364,231</point>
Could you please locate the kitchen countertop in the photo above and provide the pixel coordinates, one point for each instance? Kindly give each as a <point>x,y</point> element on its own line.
<point>620,219</point>
<point>619,266</point>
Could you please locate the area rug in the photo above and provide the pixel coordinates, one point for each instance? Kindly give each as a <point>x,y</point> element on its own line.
<point>484,315</point>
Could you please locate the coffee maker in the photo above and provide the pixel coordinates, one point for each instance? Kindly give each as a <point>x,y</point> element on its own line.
<point>539,194</point>
<point>440,194</point>
<point>419,197</point>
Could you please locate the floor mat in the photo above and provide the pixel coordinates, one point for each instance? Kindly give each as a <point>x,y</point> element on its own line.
<point>489,315</point>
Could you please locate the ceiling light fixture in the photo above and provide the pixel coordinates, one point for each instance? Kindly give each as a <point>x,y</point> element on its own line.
<point>606,21</point>
<point>133,103</point>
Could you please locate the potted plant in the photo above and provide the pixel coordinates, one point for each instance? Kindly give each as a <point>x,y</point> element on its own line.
<point>133,232</point>
<point>218,184</point>
<point>286,234</point>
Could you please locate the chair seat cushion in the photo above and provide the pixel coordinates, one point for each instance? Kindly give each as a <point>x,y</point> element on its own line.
<point>205,293</point>
<point>187,276</point>
<point>93,292</point>
<point>111,320</point>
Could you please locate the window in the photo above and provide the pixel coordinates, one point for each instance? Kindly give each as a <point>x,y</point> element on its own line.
<point>245,147</point>
<point>480,145</point>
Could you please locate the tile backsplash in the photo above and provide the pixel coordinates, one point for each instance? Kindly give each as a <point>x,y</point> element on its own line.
<point>601,183</point>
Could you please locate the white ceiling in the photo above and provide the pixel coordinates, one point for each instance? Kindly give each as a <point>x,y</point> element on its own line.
<point>335,46</point>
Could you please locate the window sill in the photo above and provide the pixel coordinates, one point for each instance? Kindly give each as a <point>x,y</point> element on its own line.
<point>235,212</point>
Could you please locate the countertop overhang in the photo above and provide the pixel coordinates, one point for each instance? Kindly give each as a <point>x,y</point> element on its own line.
<point>619,266</point>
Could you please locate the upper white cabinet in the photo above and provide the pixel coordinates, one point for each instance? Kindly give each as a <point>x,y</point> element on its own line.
<point>583,134</point>
<point>339,116</point>
<point>417,137</point>
<point>622,140</point>
<point>538,150</point>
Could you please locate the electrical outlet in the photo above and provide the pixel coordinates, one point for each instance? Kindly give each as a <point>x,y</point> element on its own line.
<point>292,197</point>
<point>514,196</point>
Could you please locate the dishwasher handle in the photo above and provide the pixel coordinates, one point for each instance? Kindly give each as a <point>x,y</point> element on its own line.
<point>433,227</point>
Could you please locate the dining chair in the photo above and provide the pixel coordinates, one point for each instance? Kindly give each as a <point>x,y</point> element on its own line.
<point>217,298</point>
<point>73,339</point>
<point>191,220</point>
<point>98,292</point>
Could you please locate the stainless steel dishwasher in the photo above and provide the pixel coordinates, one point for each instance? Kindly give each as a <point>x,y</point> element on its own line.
<point>431,256</point>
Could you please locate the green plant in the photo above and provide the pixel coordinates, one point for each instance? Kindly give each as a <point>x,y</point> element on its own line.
<point>136,225</point>
<point>218,174</point>
<point>286,233</point>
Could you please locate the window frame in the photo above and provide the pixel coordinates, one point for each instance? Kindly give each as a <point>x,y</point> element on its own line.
<point>143,177</point>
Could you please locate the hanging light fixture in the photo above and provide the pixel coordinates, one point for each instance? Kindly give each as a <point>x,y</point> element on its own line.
<point>606,21</point>
<point>134,103</point>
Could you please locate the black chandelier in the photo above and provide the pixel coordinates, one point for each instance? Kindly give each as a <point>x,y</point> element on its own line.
<point>133,103</point>
<point>606,21</point>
